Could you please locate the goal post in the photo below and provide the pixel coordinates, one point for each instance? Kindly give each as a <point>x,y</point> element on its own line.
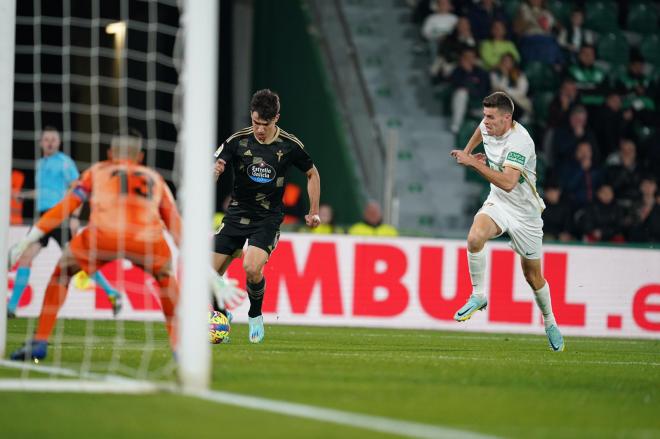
<point>7,25</point>
<point>199,21</point>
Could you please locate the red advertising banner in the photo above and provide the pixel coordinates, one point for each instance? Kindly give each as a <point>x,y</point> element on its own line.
<point>340,280</point>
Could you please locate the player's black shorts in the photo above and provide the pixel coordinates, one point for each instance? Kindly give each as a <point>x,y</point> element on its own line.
<point>232,235</point>
<point>61,234</point>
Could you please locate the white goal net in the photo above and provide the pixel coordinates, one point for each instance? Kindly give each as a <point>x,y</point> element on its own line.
<point>83,71</point>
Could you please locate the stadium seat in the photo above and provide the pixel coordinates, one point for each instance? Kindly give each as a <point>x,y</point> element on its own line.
<point>615,73</point>
<point>541,103</point>
<point>602,16</point>
<point>511,7</point>
<point>650,49</point>
<point>561,10</point>
<point>541,77</point>
<point>613,48</point>
<point>642,19</point>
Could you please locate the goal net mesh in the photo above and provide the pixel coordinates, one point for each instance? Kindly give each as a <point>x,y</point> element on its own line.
<point>88,69</point>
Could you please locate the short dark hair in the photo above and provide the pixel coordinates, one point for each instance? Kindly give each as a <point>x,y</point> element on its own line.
<point>266,103</point>
<point>50,128</point>
<point>126,136</point>
<point>499,100</point>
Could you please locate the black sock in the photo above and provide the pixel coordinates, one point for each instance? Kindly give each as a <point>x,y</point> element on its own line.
<point>256,295</point>
<point>214,304</point>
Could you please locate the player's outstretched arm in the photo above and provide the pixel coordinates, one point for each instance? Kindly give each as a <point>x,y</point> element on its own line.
<point>314,192</point>
<point>170,214</point>
<point>48,221</point>
<point>505,180</point>
<point>474,141</point>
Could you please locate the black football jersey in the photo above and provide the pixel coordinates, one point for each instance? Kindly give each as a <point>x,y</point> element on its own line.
<point>260,173</point>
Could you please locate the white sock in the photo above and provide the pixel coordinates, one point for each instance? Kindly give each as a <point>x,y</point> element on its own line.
<point>477,266</point>
<point>542,297</point>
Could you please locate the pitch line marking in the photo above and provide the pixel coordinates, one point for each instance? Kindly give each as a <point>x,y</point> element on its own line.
<point>351,419</point>
<point>118,384</point>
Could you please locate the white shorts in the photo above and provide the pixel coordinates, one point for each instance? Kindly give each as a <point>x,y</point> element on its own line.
<point>526,235</point>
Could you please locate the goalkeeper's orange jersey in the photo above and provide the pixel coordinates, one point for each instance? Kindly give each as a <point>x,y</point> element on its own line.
<point>128,201</point>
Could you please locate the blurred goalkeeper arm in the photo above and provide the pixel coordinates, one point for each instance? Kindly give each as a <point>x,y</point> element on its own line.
<point>46,224</point>
<point>170,214</point>
<point>227,293</point>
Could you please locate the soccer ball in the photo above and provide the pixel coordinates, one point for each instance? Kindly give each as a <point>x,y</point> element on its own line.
<point>218,327</point>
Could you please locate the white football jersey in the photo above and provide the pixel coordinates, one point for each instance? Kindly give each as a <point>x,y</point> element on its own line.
<point>515,149</point>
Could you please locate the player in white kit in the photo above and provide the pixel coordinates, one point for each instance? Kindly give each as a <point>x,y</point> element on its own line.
<point>513,206</point>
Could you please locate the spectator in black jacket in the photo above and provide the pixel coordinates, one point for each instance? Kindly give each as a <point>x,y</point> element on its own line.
<point>613,123</point>
<point>567,137</point>
<point>451,48</point>
<point>557,216</point>
<point>623,173</point>
<point>580,178</point>
<point>646,217</point>
<point>482,15</point>
<point>603,220</point>
<point>471,84</point>
<point>563,103</point>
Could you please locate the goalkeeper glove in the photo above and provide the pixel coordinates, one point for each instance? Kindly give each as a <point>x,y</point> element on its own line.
<point>15,252</point>
<point>226,292</point>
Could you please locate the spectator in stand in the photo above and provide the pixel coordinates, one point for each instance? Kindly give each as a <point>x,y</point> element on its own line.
<point>603,220</point>
<point>590,78</point>
<point>563,103</point>
<point>566,138</point>
<point>573,37</point>
<point>636,88</point>
<point>580,177</point>
<point>491,50</point>
<point>557,216</point>
<point>534,25</point>
<point>451,47</point>
<point>507,77</point>
<point>482,15</point>
<point>294,204</point>
<point>470,83</point>
<point>613,123</point>
<point>421,10</point>
<point>328,225</point>
<point>441,23</point>
<point>623,173</point>
<point>16,202</point>
<point>646,216</point>
<point>372,223</point>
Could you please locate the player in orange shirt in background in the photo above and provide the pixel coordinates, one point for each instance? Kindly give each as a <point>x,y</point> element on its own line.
<point>129,204</point>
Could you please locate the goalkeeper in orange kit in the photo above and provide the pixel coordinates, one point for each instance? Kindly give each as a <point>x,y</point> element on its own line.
<point>129,204</point>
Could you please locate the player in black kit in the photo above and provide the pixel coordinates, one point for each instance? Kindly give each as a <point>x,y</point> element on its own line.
<point>260,156</point>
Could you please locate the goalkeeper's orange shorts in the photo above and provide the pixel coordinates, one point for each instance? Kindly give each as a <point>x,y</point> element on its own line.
<point>92,249</point>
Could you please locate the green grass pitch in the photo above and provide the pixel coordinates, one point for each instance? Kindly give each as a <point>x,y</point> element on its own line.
<point>504,385</point>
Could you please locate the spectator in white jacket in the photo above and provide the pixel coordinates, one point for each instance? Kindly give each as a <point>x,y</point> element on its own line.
<point>441,23</point>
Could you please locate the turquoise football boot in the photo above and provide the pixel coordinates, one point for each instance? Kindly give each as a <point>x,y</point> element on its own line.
<point>256,329</point>
<point>474,304</point>
<point>555,339</point>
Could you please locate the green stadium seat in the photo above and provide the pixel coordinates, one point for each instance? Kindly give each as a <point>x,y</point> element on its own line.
<point>511,7</point>
<point>650,49</point>
<point>541,102</point>
<point>613,48</point>
<point>561,10</point>
<point>615,73</point>
<point>541,77</point>
<point>602,16</point>
<point>642,19</point>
